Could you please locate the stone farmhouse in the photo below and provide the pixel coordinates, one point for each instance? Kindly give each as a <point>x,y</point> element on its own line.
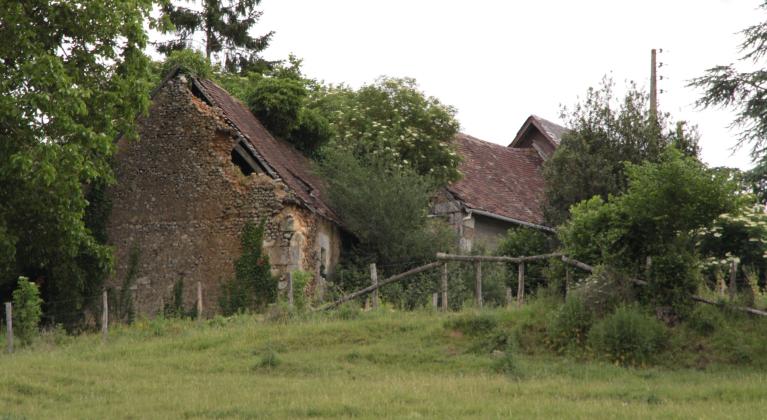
<point>502,187</point>
<point>203,166</point>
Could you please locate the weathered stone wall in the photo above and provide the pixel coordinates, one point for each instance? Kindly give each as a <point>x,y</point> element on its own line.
<point>181,201</point>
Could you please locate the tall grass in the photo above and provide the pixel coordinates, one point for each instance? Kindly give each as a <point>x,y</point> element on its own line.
<point>378,364</point>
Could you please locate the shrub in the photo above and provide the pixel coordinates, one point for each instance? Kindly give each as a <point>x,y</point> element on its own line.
<point>603,291</point>
<point>269,360</point>
<point>253,286</point>
<point>674,276</point>
<point>526,241</point>
<point>279,312</point>
<point>300,280</point>
<point>26,310</point>
<point>277,103</point>
<point>705,320</point>
<point>189,62</point>
<point>348,311</point>
<point>628,336</point>
<point>569,325</point>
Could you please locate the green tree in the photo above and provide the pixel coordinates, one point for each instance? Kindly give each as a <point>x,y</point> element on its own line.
<point>526,241</point>
<point>66,90</point>
<point>745,91</point>
<point>226,26</point>
<point>665,202</point>
<point>393,122</point>
<point>604,135</point>
<point>387,210</point>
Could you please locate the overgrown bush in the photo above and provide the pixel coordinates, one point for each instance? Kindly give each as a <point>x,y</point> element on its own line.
<point>387,210</point>
<point>705,320</point>
<point>603,291</point>
<point>569,325</point>
<point>26,310</point>
<point>628,337</point>
<point>673,278</point>
<point>526,241</point>
<point>189,61</point>
<point>253,286</point>
<point>300,280</point>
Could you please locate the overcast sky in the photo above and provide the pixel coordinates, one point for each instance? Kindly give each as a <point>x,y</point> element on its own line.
<point>498,62</point>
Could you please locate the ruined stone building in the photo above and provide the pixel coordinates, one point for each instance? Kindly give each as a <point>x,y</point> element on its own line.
<point>202,168</point>
<point>502,187</point>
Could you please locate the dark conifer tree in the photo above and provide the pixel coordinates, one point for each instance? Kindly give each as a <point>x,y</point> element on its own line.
<point>225,25</point>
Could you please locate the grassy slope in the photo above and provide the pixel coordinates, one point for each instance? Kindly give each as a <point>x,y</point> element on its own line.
<point>381,365</point>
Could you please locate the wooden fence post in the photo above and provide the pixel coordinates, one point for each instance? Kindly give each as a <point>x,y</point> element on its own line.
<point>521,284</point>
<point>444,287</point>
<point>199,300</point>
<point>733,273</point>
<point>509,297</point>
<point>374,282</point>
<point>435,300</point>
<point>9,325</point>
<point>290,289</point>
<point>478,283</point>
<point>104,315</point>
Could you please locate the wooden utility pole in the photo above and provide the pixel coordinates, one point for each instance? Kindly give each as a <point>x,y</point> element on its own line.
<point>9,325</point>
<point>653,85</point>
<point>374,283</point>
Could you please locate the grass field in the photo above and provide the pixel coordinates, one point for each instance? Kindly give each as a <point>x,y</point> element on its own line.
<point>380,364</point>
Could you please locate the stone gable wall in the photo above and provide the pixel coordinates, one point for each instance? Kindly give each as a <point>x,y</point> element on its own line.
<point>181,201</point>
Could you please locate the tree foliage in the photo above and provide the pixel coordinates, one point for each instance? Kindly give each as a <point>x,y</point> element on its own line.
<point>387,210</point>
<point>226,26</point>
<point>745,91</point>
<point>526,241</point>
<point>26,310</point>
<point>392,121</point>
<point>656,216</point>
<point>66,90</point>
<point>605,134</point>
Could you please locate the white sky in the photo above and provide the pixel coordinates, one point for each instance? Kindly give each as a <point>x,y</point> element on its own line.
<point>498,62</point>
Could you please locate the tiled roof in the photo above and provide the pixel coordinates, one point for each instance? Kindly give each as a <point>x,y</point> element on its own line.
<point>501,180</point>
<point>289,164</point>
<point>552,131</point>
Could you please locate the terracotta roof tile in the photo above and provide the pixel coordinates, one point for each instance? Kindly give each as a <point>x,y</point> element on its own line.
<point>291,166</point>
<point>500,180</point>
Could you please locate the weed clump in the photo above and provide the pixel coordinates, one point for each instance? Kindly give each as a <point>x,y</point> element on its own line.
<point>506,364</point>
<point>269,360</point>
<point>628,337</point>
<point>569,325</point>
<point>705,320</point>
<point>474,325</point>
